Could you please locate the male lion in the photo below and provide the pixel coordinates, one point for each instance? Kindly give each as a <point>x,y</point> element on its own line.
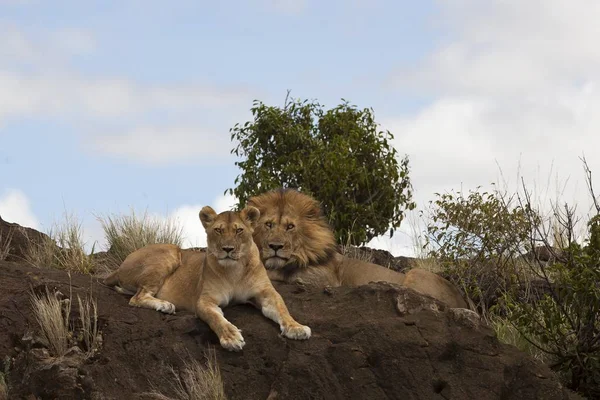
<point>297,245</point>
<point>165,277</point>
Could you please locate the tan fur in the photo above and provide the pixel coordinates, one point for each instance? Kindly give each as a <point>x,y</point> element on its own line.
<point>297,245</point>
<point>165,277</point>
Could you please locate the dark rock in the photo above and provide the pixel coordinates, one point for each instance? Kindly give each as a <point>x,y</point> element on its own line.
<point>379,257</point>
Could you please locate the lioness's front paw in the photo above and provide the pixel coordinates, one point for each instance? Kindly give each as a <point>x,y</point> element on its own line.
<point>232,339</point>
<point>166,307</point>
<point>297,332</point>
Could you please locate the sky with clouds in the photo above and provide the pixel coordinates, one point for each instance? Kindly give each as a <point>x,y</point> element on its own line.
<point>108,106</point>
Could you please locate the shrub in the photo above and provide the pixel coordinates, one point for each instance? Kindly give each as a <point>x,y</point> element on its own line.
<point>565,322</point>
<point>478,239</point>
<point>558,319</point>
<point>338,156</point>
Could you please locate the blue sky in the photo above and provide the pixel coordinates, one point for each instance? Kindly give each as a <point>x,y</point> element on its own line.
<point>110,105</point>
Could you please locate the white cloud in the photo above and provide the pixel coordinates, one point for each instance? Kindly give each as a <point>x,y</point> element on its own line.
<point>515,86</point>
<point>152,145</point>
<point>225,202</point>
<point>511,47</point>
<point>15,207</point>
<point>44,50</point>
<point>73,96</point>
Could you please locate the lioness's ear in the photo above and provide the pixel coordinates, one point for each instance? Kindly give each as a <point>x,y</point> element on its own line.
<point>253,202</point>
<point>207,216</point>
<point>250,215</point>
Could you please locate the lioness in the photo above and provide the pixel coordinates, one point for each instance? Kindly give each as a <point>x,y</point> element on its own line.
<point>297,245</point>
<point>165,277</point>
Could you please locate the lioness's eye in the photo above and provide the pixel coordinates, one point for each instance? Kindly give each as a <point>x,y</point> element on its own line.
<point>219,230</point>
<point>239,230</point>
<point>290,226</point>
<point>269,225</point>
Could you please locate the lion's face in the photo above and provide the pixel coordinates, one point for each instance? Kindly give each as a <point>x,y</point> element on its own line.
<point>291,230</point>
<point>229,234</point>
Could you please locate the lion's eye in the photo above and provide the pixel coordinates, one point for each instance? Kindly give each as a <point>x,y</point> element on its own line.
<point>290,226</point>
<point>269,225</point>
<point>219,230</point>
<point>239,230</point>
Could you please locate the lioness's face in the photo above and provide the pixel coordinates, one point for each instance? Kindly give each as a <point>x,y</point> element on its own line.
<point>229,234</point>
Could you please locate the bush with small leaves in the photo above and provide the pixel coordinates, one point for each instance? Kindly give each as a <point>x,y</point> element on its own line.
<point>565,323</point>
<point>477,237</point>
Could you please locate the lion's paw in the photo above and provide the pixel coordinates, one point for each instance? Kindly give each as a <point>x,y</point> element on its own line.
<point>297,332</point>
<point>166,307</point>
<point>232,339</point>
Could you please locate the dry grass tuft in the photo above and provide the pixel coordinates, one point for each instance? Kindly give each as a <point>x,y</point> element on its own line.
<point>197,381</point>
<point>4,378</point>
<point>5,242</point>
<point>65,248</point>
<point>3,388</point>
<point>127,233</point>
<point>88,316</point>
<point>52,316</point>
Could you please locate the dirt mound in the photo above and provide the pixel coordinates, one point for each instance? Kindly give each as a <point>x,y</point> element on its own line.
<point>18,239</point>
<point>373,342</point>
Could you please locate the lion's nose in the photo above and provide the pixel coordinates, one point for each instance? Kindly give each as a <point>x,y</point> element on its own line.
<point>227,248</point>
<point>276,246</point>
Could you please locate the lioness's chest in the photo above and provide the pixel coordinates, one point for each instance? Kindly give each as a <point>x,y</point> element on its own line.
<point>235,295</point>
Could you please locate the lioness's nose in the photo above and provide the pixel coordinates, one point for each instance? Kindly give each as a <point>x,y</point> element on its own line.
<point>276,246</point>
<point>227,248</point>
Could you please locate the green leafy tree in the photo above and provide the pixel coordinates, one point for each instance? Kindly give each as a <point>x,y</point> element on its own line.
<point>338,156</point>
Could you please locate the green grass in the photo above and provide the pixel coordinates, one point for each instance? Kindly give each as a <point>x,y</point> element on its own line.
<point>507,333</point>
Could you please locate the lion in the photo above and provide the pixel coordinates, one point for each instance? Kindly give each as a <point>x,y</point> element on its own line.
<point>297,245</point>
<point>166,278</point>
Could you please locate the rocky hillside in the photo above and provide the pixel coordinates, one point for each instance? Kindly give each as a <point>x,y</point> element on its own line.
<point>373,342</point>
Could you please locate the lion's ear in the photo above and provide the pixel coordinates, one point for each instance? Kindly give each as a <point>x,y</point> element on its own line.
<point>207,216</point>
<point>250,215</point>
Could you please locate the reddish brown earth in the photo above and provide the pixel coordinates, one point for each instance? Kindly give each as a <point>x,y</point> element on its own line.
<point>378,341</point>
<point>362,348</point>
